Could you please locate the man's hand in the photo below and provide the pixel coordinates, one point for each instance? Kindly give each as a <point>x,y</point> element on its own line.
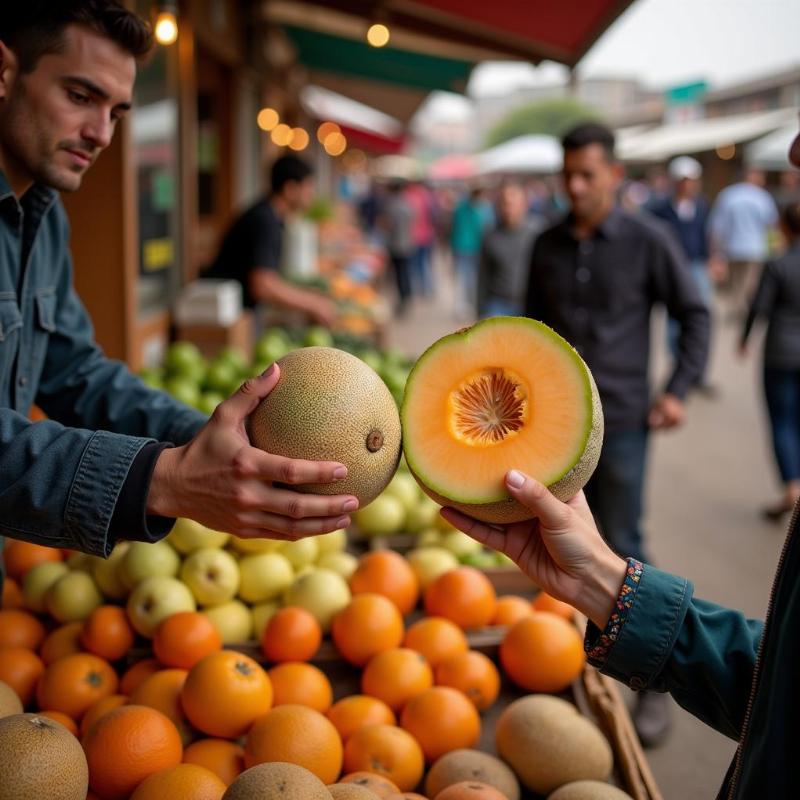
<point>667,412</point>
<point>221,481</point>
<point>560,549</point>
<point>718,269</point>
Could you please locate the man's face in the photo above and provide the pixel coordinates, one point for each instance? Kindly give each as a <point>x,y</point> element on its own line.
<point>299,194</point>
<point>512,205</point>
<point>688,187</point>
<point>55,120</point>
<point>590,181</point>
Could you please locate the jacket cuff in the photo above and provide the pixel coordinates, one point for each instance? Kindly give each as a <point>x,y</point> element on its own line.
<point>645,642</point>
<point>130,519</point>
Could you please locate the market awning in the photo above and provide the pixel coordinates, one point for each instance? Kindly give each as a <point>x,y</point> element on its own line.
<point>531,154</point>
<point>772,151</point>
<point>701,135</point>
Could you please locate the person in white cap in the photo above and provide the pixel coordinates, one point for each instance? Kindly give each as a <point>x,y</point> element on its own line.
<point>685,210</point>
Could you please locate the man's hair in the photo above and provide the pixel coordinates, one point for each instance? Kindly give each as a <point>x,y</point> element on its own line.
<point>790,216</point>
<point>588,133</point>
<point>34,28</point>
<point>286,169</point>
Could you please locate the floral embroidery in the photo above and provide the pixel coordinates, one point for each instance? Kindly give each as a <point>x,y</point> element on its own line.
<point>598,653</point>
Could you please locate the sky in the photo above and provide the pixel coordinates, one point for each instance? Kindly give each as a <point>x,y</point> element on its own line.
<point>664,43</point>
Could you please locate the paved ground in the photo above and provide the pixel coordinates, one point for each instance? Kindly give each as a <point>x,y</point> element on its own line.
<point>706,483</point>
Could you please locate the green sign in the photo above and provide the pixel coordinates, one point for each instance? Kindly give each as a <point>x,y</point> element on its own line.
<point>686,94</point>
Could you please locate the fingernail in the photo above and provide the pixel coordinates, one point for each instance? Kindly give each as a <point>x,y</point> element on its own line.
<point>340,473</point>
<point>342,522</point>
<point>515,479</point>
<point>268,371</point>
<point>350,505</point>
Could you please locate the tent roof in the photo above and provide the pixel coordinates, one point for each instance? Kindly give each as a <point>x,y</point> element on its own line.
<point>534,153</point>
<point>772,151</point>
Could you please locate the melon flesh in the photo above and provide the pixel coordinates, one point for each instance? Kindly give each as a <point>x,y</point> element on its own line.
<point>507,393</point>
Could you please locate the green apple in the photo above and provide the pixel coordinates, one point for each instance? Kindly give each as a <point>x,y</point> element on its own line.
<point>152,377</point>
<point>187,535</point>
<point>154,599</point>
<point>430,537</point>
<point>183,389</point>
<point>264,576</point>
<point>37,582</point>
<point>333,542</point>
<point>405,489</point>
<point>301,552</point>
<point>482,559</point>
<point>341,562</point>
<point>262,614</point>
<point>184,358</point>
<point>502,560</point>
<point>221,375</point>
<point>372,358</point>
<point>429,563</point>
<point>317,336</point>
<point>322,592</point>
<point>459,544</point>
<point>255,545</point>
<point>209,401</point>
<point>73,597</point>
<point>384,516</point>
<point>270,347</point>
<point>148,560</point>
<point>212,575</point>
<point>81,561</point>
<point>443,525</point>
<point>233,620</point>
<point>422,515</point>
<point>233,356</point>
<point>106,573</point>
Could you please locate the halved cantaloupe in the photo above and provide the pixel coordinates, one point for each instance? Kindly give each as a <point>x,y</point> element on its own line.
<point>507,393</point>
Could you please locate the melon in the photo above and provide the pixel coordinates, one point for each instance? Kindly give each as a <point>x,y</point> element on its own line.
<point>506,393</point>
<point>329,405</point>
<point>277,780</point>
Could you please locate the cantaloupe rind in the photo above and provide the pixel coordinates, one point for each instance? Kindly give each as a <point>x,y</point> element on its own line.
<point>554,397</point>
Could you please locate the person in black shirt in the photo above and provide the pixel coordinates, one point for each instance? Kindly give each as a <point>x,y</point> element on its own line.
<point>594,278</point>
<point>252,247</point>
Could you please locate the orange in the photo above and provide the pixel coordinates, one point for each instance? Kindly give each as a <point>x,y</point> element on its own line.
<point>464,595</point>
<point>225,692</point>
<point>188,781</point>
<point>162,691</point>
<point>298,735</point>
<point>436,638</point>
<point>12,595</point>
<point>127,745</point>
<point>377,784</point>
<point>225,759</point>
<point>543,653</point>
<point>292,634</point>
<point>101,707</point>
<point>388,573</point>
<point>386,750</point>
<point>546,602</point>
<point>63,641</point>
<point>357,710</point>
<point>441,719</point>
<point>21,669</point>
<point>71,684</point>
<point>136,673</point>
<point>470,790</point>
<point>107,633</point>
<point>396,675</point>
<point>58,716</point>
<point>472,673</point>
<point>20,629</point>
<point>368,625</point>
<point>511,608</point>
<point>295,682</point>
<point>182,639</point>
<point>20,556</point>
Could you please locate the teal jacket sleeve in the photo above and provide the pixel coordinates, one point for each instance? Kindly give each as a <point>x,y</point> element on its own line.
<point>701,653</point>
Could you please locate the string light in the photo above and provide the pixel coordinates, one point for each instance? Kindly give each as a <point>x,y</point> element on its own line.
<point>166,27</point>
<point>325,130</point>
<point>726,151</point>
<point>378,35</point>
<point>281,134</point>
<point>267,119</point>
<point>299,140</point>
<point>335,144</point>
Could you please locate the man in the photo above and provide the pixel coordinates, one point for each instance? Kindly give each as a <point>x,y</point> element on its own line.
<point>252,248</point>
<point>470,219</point>
<point>397,222</point>
<point>506,255</point>
<point>742,218</point>
<point>101,468</point>
<point>685,210</point>
<point>594,278</point>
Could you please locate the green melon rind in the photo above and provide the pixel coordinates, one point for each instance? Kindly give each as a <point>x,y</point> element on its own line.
<point>504,509</point>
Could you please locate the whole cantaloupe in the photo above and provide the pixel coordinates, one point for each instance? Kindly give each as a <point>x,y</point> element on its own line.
<point>9,701</point>
<point>40,758</point>
<point>350,791</point>
<point>473,765</point>
<point>548,743</point>
<point>277,780</point>
<point>588,790</point>
<point>329,405</point>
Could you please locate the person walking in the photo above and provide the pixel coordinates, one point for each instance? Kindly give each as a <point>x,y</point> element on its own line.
<point>466,235</point>
<point>777,301</point>
<point>594,278</point>
<point>398,219</point>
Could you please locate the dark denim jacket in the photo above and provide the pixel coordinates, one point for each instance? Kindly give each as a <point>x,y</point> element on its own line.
<point>60,479</point>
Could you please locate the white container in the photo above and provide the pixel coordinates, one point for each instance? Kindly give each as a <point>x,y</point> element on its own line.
<point>208,301</point>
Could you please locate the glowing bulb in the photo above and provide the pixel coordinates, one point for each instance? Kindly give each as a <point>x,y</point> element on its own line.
<point>166,28</point>
<point>726,151</point>
<point>267,119</point>
<point>335,144</point>
<point>325,130</point>
<point>281,134</point>
<point>378,35</point>
<point>299,140</point>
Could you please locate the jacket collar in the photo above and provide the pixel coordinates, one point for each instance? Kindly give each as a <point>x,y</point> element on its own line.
<point>36,200</point>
